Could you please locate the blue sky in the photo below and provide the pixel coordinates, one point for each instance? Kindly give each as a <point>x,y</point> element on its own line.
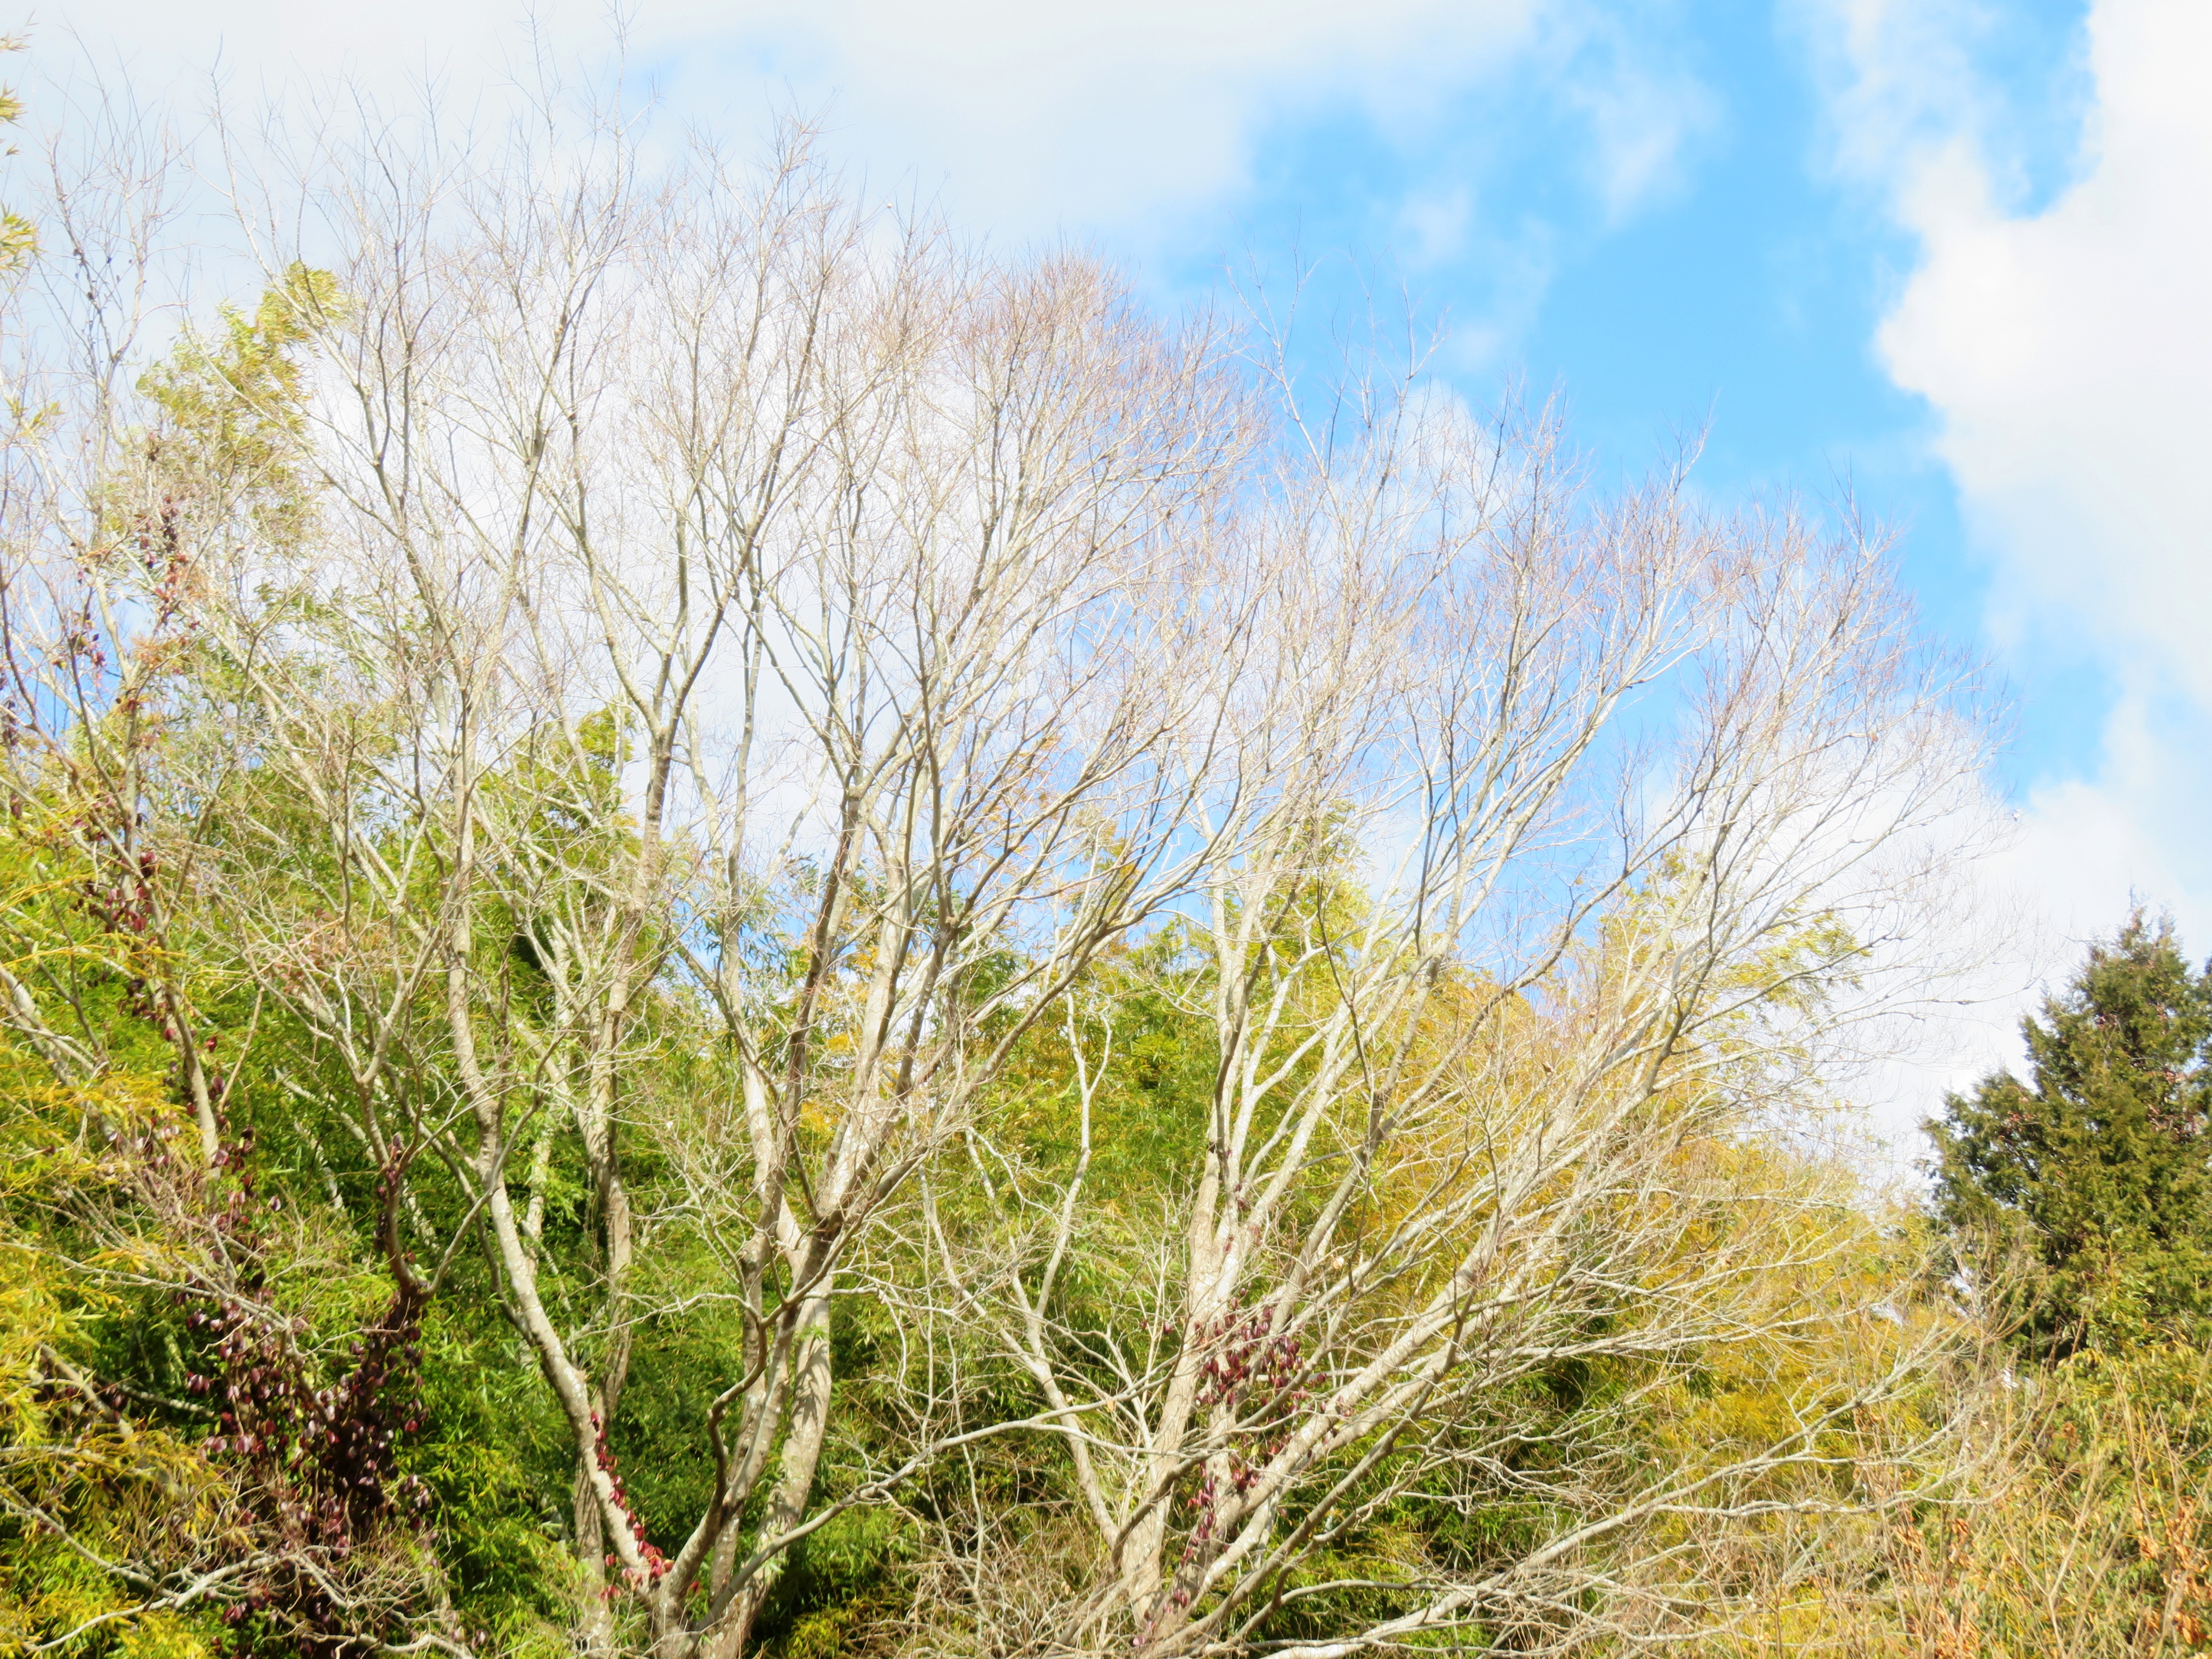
<point>1739,290</point>
<point>1949,254</point>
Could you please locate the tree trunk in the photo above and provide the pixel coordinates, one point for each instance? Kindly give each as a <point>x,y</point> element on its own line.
<point>802,1458</point>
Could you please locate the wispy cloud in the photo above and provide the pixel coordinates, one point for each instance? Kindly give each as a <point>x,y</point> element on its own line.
<point>1623,73</point>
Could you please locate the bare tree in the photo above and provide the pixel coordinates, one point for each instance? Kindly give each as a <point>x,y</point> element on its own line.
<point>652,512</point>
<point>1571,837</point>
<point>89,594</point>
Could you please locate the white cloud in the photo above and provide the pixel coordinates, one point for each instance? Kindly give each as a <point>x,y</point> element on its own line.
<point>1028,118</point>
<point>1141,122</point>
<point>2070,354</point>
<point>1106,115</point>
<point>2067,349</point>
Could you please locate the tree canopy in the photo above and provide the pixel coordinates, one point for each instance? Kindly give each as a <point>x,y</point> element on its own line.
<point>2100,1165</point>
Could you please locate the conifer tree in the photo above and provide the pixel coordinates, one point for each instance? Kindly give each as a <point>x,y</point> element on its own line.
<point>2099,1165</point>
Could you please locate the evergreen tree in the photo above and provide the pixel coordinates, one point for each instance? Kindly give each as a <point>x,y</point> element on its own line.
<point>2101,1164</point>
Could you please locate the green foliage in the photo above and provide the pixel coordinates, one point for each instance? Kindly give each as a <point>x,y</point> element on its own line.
<point>19,237</point>
<point>234,405</point>
<point>2098,1167</point>
<point>493,1454</point>
<point>122,1473</point>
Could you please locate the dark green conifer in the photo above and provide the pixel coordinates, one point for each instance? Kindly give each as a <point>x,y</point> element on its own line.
<point>2100,1165</point>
